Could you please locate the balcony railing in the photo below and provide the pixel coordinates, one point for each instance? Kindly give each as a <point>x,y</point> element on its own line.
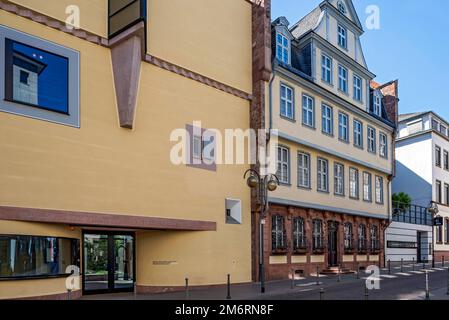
<point>279,242</point>
<point>349,245</point>
<point>318,244</point>
<point>123,14</point>
<point>412,214</point>
<point>375,246</point>
<point>361,246</point>
<point>300,244</point>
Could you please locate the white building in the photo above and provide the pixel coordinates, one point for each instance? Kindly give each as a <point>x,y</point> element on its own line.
<point>422,161</point>
<point>26,71</point>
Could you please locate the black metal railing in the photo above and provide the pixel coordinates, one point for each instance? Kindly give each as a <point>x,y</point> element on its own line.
<point>279,242</point>
<point>361,246</point>
<point>349,245</point>
<point>318,243</point>
<point>412,214</point>
<point>123,14</point>
<point>374,246</point>
<point>300,243</point>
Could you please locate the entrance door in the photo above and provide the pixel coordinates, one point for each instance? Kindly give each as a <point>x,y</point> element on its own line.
<point>419,248</point>
<point>333,243</point>
<point>108,262</point>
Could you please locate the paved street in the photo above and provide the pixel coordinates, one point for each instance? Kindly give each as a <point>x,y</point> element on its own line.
<point>406,285</point>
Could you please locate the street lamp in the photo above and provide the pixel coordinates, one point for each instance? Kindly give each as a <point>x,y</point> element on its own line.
<point>433,210</point>
<point>262,184</point>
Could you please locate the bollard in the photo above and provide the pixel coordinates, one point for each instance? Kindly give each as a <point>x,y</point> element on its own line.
<point>293,279</point>
<point>322,294</point>
<point>427,286</point>
<point>448,281</point>
<point>228,297</point>
<point>358,271</point>
<point>366,293</point>
<point>135,290</point>
<point>69,294</point>
<point>338,275</point>
<point>413,264</point>
<point>187,289</point>
<point>389,266</point>
<point>423,265</point>
<point>402,265</point>
<point>317,276</point>
<point>442,261</point>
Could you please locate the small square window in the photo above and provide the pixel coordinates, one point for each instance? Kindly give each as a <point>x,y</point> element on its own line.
<point>233,211</point>
<point>41,79</point>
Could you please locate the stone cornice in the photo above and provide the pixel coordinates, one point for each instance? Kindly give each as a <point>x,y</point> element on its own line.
<point>98,40</point>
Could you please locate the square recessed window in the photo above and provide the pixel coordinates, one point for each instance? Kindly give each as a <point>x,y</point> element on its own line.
<point>41,78</point>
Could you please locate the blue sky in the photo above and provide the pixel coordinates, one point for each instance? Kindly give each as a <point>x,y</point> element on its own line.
<point>412,45</point>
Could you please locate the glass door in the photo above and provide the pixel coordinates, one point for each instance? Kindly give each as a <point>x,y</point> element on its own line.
<point>108,262</point>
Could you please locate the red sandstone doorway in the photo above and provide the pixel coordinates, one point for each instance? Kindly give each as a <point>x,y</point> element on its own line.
<point>332,243</point>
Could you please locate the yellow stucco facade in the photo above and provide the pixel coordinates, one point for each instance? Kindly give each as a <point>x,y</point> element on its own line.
<point>103,168</point>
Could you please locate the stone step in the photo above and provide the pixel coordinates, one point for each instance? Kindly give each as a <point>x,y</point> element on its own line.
<point>335,271</point>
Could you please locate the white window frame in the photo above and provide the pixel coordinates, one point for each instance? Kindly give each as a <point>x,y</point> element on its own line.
<point>73,117</point>
<point>343,127</point>
<point>304,164</point>
<point>379,190</point>
<point>323,175</point>
<point>308,111</point>
<point>282,48</point>
<point>342,36</point>
<point>383,145</point>
<point>358,88</point>
<point>326,69</point>
<point>367,187</point>
<point>371,136</point>
<point>341,7</point>
<point>354,185</point>
<point>283,163</point>
<point>377,102</point>
<point>289,103</point>
<point>358,134</point>
<point>197,148</point>
<point>339,179</point>
<point>327,119</point>
<point>342,81</point>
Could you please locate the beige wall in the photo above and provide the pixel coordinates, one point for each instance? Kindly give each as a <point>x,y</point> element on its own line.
<point>312,196</point>
<point>297,130</point>
<point>107,169</point>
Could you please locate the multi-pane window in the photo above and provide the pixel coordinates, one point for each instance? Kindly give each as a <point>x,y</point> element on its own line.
<point>197,149</point>
<point>379,190</point>
<point>282,48</point>
<point>327,119</point>
<point>348,236</point>
<point>323,175</point>
<point>438,195</point>
<point>383,145</point>
<point>318,239</point>
<point>283,170</point>
<point>377,101</point>
<point>308,111</point>
<point>353,183</point>
<point>371,140</point>
<point>299,234</point>
<point>358,134</point>
<point>439,234</point>
<point>341,7</point>
<point>437,156</point>
<point>367,186</point>
<point>358,88</point>
<point>303,170</point>
<point>342,37</point>
<point>374,238</point>
<point>362,238</point>
<point>287,102</point>
<point>446,160</point>
<point>343,79</point>
<point>343,127</point>
<point>278,235</point>
<point>326,69</point>
<point>339,179</point>
<point>447,230</point>
<point>443,129</point>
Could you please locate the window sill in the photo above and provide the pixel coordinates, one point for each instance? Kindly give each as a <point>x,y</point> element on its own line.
<point>36,277</point>
<point>287,118</point>
<point>308,127</point>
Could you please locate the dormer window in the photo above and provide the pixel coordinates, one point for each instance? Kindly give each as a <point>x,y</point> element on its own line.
<point>342,37</point>
<point>377,101</point>
<point>341,7</point>
<point>282,48</point>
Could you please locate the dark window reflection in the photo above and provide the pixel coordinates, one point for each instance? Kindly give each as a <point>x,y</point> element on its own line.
<point>36,77</point>
<point>29,256</point>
